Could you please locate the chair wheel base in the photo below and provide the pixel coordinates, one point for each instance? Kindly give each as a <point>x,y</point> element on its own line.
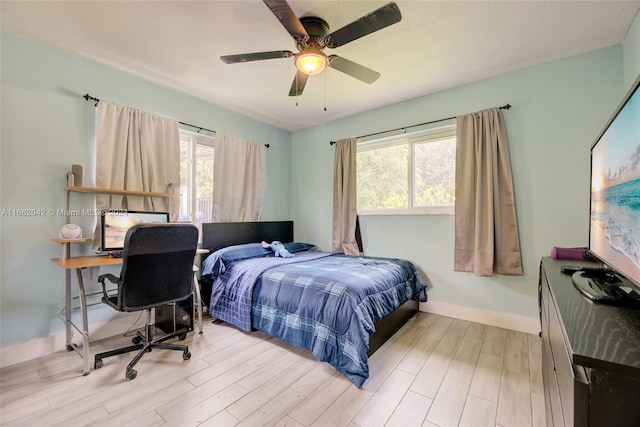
<point>97,364</point>
<point>131,374</point>
<point>186,355</point>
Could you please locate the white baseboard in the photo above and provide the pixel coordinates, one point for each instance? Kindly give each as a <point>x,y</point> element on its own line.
<point>516,322</point>
<point>32,349</point>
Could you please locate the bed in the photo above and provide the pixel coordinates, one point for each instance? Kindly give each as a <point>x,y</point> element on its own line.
<point>341,308</point>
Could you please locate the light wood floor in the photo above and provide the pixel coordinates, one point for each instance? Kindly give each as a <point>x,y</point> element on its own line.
<point>436,371</point>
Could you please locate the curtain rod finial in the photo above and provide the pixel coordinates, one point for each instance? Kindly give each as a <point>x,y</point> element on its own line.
<point>88,97</point>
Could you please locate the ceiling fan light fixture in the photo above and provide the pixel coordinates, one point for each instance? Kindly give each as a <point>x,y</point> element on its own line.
<point>311,61</point>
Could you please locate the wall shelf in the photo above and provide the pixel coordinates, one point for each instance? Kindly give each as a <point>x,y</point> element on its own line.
<point>65,246</point>
<point>81,240</point>
<point>96,190</point>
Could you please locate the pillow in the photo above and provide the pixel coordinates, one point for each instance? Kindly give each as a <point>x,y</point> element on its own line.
<point>298,246</point>
<point>216,262</point>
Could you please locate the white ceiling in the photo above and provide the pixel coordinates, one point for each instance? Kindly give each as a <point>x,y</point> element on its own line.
<point>437,45</point>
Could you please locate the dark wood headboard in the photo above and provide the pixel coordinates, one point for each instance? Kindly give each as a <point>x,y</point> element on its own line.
<point>216,235</point>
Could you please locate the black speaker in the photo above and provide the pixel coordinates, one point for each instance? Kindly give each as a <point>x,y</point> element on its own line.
<point>171,318</point>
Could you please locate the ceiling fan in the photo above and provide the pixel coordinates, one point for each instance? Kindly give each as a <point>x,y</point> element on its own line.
<point>312,36</point>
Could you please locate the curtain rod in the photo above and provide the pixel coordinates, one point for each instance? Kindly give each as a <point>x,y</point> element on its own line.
<point>88,97</point>
<point>504,107</point>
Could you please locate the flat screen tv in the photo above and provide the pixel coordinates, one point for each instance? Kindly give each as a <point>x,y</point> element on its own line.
<point>614,224</point>
<point>115,223</point>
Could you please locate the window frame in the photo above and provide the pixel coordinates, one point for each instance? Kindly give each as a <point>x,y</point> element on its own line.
<point>194,139</point>
<point>426,134</point>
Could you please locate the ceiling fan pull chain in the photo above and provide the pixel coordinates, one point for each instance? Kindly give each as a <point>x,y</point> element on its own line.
<point>297,88</point>
<point>325,91</point>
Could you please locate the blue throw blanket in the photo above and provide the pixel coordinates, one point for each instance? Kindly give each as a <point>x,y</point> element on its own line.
<point>324,302</point>
<point>232,290</point>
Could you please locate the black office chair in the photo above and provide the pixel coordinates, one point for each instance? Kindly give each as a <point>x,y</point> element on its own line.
<point>157,269</point>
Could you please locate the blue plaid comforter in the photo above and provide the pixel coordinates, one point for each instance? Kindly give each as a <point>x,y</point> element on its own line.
<point>324,302</point>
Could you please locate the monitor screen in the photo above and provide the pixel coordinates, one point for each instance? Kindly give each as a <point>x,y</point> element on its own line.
<point>115,223</point>
<point>614,235</point>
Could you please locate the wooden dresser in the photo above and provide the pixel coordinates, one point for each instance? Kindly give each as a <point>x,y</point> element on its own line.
<point>590,355</point>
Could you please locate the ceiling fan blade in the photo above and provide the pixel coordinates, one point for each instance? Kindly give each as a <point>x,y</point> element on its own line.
<point>258,56</point>
<point>353,69</point>
<point>299,81</point>
<point>288,19</point>
<point>380,18</point>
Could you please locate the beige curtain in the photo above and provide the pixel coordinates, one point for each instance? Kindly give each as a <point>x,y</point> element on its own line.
<point>486,229</point>
<point>344,197</point>
<point>137,151</point>
<point>238,179</point>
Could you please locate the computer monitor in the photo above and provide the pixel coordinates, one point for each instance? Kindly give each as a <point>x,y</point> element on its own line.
<point>114,224</point>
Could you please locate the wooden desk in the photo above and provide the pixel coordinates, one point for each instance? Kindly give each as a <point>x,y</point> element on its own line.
<point>86,261</point>
<point>77,264</point>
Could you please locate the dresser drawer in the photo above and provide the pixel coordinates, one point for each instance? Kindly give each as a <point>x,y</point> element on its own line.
<point>572,380</point>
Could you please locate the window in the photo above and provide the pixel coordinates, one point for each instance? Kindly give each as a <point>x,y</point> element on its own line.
<point>196,177</point>
<point>413,173</point>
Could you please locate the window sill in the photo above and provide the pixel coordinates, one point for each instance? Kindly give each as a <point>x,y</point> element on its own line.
<point>432,210</point>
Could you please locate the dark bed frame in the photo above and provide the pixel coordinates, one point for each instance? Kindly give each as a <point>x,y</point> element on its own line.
<point>217,235</point>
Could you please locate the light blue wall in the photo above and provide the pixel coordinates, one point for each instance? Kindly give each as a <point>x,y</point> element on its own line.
<point>631,52</point>
<point>558,109</point>
<point>47,127</point>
